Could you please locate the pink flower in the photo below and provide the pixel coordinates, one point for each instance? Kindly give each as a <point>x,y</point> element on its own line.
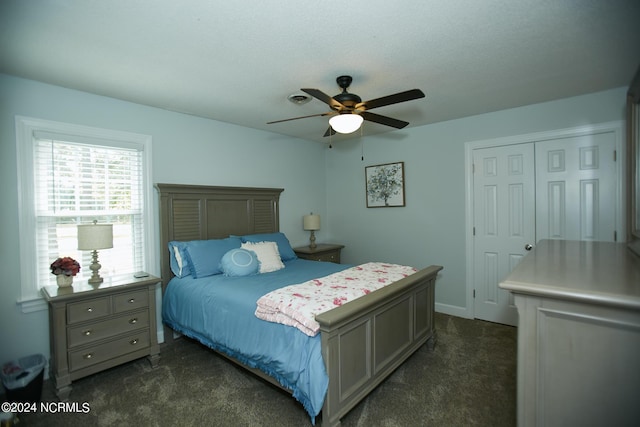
<point>338,301</point>
<point>66,265</point>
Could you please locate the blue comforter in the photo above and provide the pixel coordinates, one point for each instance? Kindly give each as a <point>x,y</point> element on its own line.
<point>219,312</point>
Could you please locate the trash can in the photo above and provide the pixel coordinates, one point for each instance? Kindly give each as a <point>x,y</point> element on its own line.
<point>22,379</point>
<point>8,419</point>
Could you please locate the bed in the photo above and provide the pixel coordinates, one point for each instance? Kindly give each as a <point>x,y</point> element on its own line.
<point>360,343</point>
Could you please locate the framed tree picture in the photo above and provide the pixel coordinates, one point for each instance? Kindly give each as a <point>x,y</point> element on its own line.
<point>385,185</point>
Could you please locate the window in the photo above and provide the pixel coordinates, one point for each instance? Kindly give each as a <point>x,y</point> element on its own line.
<point>74,175</point>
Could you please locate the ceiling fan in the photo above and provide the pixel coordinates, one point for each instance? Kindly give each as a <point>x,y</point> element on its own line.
<point>349,111</point>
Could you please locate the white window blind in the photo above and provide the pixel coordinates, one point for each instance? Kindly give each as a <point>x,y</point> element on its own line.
<point>79,180</point>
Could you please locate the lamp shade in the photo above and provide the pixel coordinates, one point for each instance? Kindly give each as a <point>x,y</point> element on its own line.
<point>95,236</point>
<point>346,123</point>
<point>311,222</point>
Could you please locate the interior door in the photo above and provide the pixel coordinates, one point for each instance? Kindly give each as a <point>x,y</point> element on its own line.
<point>504,224</point>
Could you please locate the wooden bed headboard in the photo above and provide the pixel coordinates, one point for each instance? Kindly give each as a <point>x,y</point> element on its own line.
<point>200,212</point>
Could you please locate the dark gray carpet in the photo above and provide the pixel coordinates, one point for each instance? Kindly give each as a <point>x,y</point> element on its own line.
<point>468,380</point>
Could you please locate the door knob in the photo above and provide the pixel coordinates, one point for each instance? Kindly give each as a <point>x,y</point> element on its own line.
<point>528,246</point>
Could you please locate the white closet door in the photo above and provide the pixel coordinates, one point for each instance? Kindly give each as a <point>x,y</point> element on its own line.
<point>576,188</point>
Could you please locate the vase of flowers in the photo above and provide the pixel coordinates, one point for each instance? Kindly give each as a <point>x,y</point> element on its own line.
<point>64,269</point>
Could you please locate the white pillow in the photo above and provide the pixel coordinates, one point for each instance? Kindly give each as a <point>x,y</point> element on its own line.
<point>268,255</point>
<point>176,253</point>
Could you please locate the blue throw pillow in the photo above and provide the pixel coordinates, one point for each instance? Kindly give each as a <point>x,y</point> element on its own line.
<point>239,262</point>
<point>284,247</point>
<point>178,259</point>
<point>205,255</point>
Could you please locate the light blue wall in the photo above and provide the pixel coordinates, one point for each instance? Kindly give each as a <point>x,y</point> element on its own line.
<point>431,228</point>
<point>185,149</point>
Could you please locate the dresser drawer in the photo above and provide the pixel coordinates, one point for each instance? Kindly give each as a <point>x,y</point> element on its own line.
<point>88,333</point>
<point>80,359</point>
<point>130,301</point>
<point>88,310</point>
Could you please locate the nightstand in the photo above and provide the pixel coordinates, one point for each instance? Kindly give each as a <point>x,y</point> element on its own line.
<point>322,252</point>
<point>96,327</point>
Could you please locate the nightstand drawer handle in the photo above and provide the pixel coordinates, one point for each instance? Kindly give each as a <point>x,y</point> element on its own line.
<point>133,321</point>
<point>131,301</point>
<point>87,332</point>
<point>134,342</point>
<point>89,310</point>
<point>88,356</point>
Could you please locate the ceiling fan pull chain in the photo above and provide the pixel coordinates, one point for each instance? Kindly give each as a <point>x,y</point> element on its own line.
<point>361,145</point>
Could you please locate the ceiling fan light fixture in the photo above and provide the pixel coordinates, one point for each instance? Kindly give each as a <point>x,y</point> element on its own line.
<point>346,123</point>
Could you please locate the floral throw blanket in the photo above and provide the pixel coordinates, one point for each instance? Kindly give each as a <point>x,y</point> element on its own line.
<point>298,305</point>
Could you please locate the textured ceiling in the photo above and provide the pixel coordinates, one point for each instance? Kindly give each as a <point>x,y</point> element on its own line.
<point>238,62</point>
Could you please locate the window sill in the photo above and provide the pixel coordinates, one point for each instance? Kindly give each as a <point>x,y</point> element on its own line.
<point>32,305</point>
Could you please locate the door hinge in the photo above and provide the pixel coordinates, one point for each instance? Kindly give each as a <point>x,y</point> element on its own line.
<point>615,155</point>
<point>474,231</point>
<point>474,293</point>
<point>615,236</point>
<point>473,168</point>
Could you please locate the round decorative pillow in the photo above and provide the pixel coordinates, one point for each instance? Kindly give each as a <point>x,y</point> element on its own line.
<point>239,262</point>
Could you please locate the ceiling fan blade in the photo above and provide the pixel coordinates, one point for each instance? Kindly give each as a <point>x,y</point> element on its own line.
<point>383,120</point>
<point>318,94</point>
<point>329,131</point>
<point>302,117</point>
<point>408,95</point>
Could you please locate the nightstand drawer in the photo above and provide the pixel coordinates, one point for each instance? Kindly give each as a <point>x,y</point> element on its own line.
<point>130,301</point>
<point>322,252</point>
<point>88,310</point>
<point>82,358</point>
<point>91,332</point>
<point>328,257</point>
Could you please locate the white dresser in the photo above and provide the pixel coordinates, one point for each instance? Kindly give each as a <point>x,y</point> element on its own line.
<point>579,334</point>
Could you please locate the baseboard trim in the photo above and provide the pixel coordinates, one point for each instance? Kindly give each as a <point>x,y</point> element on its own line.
<point>453,310</point>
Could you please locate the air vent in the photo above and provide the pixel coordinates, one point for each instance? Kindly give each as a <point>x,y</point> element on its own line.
<point>299,98</point>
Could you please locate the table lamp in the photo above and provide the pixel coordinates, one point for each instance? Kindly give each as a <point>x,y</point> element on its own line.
<point>312,223</point>
<point>92,237</point>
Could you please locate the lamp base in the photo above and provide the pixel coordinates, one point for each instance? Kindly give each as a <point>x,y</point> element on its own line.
<point>312,240</point>
<point>95,267</point>
<point>96,280</point>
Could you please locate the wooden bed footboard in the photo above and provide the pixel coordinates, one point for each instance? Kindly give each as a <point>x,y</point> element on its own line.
<point>365,340</point>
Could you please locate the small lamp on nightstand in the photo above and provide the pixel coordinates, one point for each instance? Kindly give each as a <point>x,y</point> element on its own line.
<point>312,223</point>
<point>92,237</point>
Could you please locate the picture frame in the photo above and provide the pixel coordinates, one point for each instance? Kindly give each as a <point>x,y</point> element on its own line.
<point>385,185</point>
